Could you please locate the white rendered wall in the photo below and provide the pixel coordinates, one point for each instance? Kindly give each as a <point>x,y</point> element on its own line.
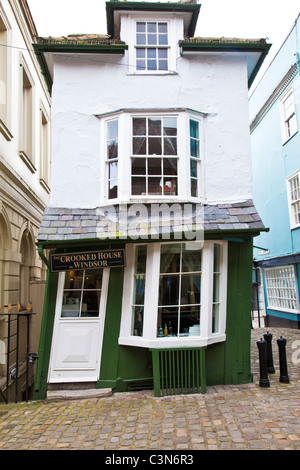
<point>85,86</point>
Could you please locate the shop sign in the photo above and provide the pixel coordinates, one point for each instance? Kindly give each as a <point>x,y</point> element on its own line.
<point>87,260</point>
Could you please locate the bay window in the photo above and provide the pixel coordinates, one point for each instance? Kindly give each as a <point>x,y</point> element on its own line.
<point>151,155</point>
<point>174,294</point>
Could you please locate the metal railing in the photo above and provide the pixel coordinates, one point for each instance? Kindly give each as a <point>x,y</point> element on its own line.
<point>179,371</point>
<point>12,373</point>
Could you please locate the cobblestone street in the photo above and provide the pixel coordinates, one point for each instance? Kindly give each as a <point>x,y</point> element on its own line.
<point>236,417</point>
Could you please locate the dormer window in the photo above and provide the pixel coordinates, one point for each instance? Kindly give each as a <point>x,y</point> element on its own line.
<point>151,45</point>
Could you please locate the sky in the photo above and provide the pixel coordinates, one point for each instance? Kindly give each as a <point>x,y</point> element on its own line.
<point>269,19</point>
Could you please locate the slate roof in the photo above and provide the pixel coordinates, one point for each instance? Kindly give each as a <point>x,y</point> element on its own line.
<point>61,224</point>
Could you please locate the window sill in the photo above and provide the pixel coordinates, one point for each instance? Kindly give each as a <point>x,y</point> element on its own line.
<point>289,138</point>
<point>169,342</point>
<point>285,310</point>
<point>5,131</point>
<point>27,161</point>
<point>152,72</point>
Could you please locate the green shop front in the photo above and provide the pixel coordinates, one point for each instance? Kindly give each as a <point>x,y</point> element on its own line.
<point>161,309</point>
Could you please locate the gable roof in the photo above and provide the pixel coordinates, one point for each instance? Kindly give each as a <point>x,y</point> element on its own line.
<point>189,8</point>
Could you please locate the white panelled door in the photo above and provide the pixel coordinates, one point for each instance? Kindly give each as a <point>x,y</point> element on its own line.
<point>78,326</point>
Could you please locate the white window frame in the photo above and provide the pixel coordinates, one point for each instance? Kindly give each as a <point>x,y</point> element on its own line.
<point>5,76</point>
<point>149,338</point>
<point>286,132</point>
<point>172,43</point>
<point>125,154</point>
<point>27,116</point>
<point>45,148</point>
<point>294,200</point>
<point>147,156</point>
<point>81,318</point>
<point>281,289</point>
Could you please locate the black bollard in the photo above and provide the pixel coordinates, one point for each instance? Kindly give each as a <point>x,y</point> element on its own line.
<point>262,349</point>
<point>270,366</point>
<point>284,378</point>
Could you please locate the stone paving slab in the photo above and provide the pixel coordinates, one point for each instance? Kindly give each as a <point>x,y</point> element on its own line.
<point>235,417</point>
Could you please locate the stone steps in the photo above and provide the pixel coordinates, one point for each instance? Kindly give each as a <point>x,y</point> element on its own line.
<point>67,394</point>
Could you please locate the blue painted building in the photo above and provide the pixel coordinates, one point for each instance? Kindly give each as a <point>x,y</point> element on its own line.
<point>275,142</point>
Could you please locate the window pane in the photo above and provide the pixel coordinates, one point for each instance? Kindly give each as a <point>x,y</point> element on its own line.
<point>162,39</point>
<point>194,166</point>
<point>168,290</point>
<point>170,258</point>
<point>154,166</point>
<point>190,289</point>
<point>167,321</point>
<point>216,289</point>
<point>141,38</point>
<point>215,318</point>
<point>190,320</point>
<point>217,258</point>
<point>90,303</point>
<point>139,126</point>
<point>113,170</point>
<point>138,186</point>
<point>152,39</point>
<point>170,126</point>
<point>139,146</point>
<point>112,149</point>
<point>139,290</point>
<point>154,186</point>
<point>112,130</point>
<point>170,166</point>
<point>170,186</point>
<point>151,53</point>
<point>138,318</point>
<point>194,187</point>
<point>194,148</point>
<point>162,27</point>
<point>141,64</point>
<point>141,53</point>
<point>138,166</point>
<point>154,126</point>
<point>93,279</point>
<point>73,280</point>
<point>113,189</point>
<point>194,129</point>
<point>154,146</point>
<point>170,146</point>
<point>191,260</point>
<point>141,27</point>
<point>151,64</point>
<point>140,262</point>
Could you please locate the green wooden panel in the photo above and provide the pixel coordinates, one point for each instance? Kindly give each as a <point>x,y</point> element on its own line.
<point>40,387</point>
